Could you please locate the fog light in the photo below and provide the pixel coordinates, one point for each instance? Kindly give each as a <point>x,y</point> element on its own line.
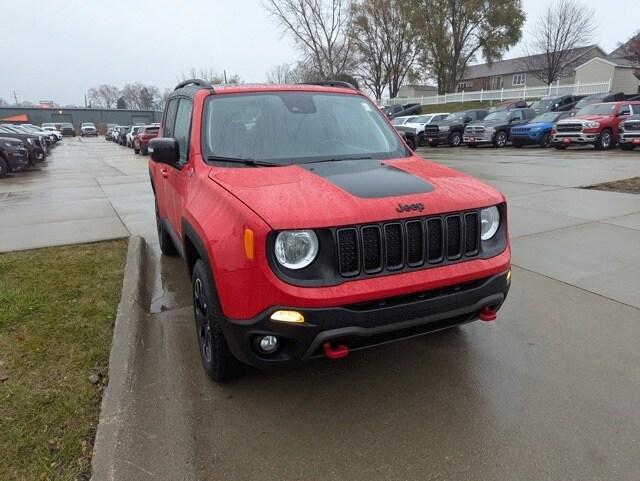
<point>287,316</point>
<point>268,344</point>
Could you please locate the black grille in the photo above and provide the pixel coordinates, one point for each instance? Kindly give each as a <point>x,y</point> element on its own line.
<point>371,249</point>
<point>454,237</point>
<point>348,252</point>
<point>374,248</point>
<point>431,129</point>
<point>569,127</point>
<point>634,125</point>
<point>435,243</point>
<point>393,246</point>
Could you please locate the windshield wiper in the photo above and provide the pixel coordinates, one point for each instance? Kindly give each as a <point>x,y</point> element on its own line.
<point>249,162</point>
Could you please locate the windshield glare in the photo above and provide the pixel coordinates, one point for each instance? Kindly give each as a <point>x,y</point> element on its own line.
<point>541,104</point>
<point>597,109</point>
<point>455,116</point>
<point>297,127</point>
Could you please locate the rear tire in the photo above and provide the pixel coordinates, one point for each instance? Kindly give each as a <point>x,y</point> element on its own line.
<point>217,360</point>
<point>167,247</point>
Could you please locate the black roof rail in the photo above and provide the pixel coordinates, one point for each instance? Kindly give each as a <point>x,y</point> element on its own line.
<point>331,83</point>
<point>194,81</point>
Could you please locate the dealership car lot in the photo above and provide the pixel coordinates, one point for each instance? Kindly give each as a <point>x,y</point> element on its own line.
<point>548,391</point>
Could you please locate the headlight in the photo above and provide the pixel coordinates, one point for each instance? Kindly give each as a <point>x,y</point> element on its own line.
<point>444,128</point>
<point>592,125</point>
<point>296,249</point>
<point>489,222</point>
<point>536,129</point>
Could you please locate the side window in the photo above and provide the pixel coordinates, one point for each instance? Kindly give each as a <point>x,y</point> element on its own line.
<point>517,115</point>
<point>169,118</point>
<point>183,127</point>
<point>625,110</point>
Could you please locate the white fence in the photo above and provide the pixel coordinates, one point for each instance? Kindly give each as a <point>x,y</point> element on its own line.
<point>523,92</point>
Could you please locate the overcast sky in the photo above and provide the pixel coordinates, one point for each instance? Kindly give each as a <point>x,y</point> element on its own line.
<point>57,50</point>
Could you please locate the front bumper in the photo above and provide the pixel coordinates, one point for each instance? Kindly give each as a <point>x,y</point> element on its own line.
<point>366,324</point>
<point>484,138</point>
<point>18,159</point>
<point>568,138</point>
<point>633,139</point>
<point>440,137</point>
<point>526,139</point>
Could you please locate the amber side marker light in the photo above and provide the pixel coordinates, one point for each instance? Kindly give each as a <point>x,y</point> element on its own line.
<point>509,275</point>
<point>248,244</point>
<point>288,316</point>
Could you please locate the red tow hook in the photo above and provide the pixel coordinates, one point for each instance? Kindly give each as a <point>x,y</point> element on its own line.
<point>335,352</point>
<point>487,314</point>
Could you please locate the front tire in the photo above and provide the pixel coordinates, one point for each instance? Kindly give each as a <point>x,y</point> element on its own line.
<point>217,360</point>
<point>546,141</point>
<point>500,139</point>
<point>455,139</point>
<point>605,140</point>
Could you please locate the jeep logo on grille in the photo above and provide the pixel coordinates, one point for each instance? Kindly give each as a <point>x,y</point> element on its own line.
<point>410,207</point>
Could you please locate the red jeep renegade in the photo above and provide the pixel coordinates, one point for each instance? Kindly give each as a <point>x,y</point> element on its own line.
<point>310,229</point>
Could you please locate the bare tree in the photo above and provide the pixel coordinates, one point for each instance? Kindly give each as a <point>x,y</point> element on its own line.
<point>453,32</point>
<point>138,96</point>
<point>369,46</point>
<point>564,26</point>
<point>320,29</point>
<point>631,51</point>
<point>280,74</point>
<point>210,74</point>
<point>104,96</point>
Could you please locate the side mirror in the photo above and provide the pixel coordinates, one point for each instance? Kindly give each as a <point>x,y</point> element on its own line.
<point>467,119</point>
<point>165,150</point>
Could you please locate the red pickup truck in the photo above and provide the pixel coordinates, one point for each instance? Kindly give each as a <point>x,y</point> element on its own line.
<point>595,124</point>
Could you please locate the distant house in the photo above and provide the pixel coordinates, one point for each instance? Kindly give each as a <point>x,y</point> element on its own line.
<point>412,90</point>
<point>514,73</point>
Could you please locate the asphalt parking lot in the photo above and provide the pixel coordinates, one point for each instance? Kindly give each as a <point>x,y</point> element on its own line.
<point>550,391</point>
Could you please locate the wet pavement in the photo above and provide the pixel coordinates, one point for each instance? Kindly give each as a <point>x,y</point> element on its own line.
<point>551,391</point>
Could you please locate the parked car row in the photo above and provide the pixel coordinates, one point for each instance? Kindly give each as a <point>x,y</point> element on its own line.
<point>599,120</point>
<point>24,145</point>
<point>136,137</point>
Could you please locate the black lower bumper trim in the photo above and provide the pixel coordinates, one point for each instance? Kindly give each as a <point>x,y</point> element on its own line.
<point>365,325</point>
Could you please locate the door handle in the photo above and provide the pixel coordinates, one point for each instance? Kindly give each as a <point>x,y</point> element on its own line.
<point>164,172</point>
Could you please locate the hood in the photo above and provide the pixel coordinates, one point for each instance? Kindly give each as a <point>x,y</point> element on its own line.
<point>331,194</point>
<point>534,125</point>
<point>584,117</point>
<point>450,123</point>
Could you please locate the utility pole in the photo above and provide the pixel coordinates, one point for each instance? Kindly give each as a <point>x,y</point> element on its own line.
<point>15,97</point>
<point>224,72</point>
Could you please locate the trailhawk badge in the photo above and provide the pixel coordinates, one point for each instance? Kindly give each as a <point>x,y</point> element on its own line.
<point>410,207</point>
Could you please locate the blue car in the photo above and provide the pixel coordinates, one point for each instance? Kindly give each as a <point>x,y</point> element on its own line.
<point>538,131</point>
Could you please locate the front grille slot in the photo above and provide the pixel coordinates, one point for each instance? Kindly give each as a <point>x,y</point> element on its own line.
<point>431,129</point>
<point>402,245</point>
<point>634,125</point>
<point>348,259</point>
<point>454,237</point>
<point>569,127</point>
<point>393,246</point>
<point>435,240</point>
<point>371,249</point>
<point>471,234</point>
<point>415,243</point>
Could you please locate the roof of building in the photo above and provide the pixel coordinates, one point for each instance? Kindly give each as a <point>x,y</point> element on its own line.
<point>518,65</point>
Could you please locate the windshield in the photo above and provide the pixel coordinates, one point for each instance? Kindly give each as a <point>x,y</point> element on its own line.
<point>597,109</point>
<point>588,101</point>
<point>546,118</point>
<point>498,115</point>
<point>420,119</point>
<point>297,127</point>
<point>399,120</point>
<point>542,104</point>
<point>455,116</point>
<point>88,124</point>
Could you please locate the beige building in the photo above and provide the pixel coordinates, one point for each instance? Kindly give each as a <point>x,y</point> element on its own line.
<point>619,71</point>
<point>412,90</point>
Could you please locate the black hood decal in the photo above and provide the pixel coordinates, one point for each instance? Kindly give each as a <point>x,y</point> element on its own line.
<point>369,178</point>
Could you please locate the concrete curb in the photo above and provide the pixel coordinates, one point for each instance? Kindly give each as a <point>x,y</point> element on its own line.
<point>126,337</point>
